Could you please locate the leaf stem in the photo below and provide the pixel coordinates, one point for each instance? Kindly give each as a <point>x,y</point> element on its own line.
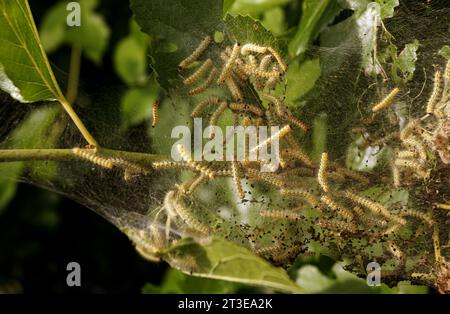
<point>13,155</point>
<point>74,74</point>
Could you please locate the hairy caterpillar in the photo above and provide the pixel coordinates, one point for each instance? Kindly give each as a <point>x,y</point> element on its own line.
<point>199,73</point>
<point>252,60</point>
<point>203,169</point>
<point>351,174</point>
<point>269,250</point>
<point>198,110</point>
<point>286,129</point>
<point>406,154</point>
<point>216,115</point>
<point>321,174</point>
<point>309,197</point>
<point>417,214</point>
<point>375,207</point>
<point>130,168</point>
<point>100,161</point>
<point>393,229</point>
<point>279,59</point>
<point>197,53</point>
<point>435,93</point>
<point>266,177</point>
<point>408,163</point>
<point>207,83</point>
<point>247,108</point>
<point>330,202</point>
<point>186,214</point>
<point>247,48</point>
<point>417,146</point>
<point>387,101</point>
<point>280,214</point>
<point>251,70</point>
<point>235,170</point>
<point>282,112</point>
<point>409,128</point>
<point>263,66</point>
<point>396,177</point>
<point>395,250</point>
<point>233,88</point>
<point>337,225</point>
<point>155,113</point>
<point>228,65</point>
<point>447,74</point>
<point>296,122</point>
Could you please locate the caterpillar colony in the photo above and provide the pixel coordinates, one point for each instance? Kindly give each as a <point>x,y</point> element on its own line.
<point>314,205</point>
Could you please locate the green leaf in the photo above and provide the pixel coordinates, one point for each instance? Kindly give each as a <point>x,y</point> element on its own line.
<point>224,260</point>
<point>178,26</point>
<point>92,35</point>
<point>316,14</point>
<point>274,21</point>
<point>10,172</point>
<point>301,78</point>
<point>445,52</point>
<point>24,69</point>
<point>175,281</point>
<point>255,8</point>
<point>406,61</point>
<point>130,61</point>
<point>137,105</point>
<point>387,7</point>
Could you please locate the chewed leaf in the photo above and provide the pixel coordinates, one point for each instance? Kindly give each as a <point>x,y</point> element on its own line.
<point>225,260</point>
<point>24,69</point>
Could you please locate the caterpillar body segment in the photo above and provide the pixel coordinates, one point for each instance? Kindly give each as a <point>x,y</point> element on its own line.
<point>337,225</point>
<point>387,101</point>
<point>414,165</point>
<point>279,59</point>
<point>269,250</point>
<point>198,110</point>
<point>229,64</point>
<point>432,101</point>
<point>197,53</point>
<point>206,84</point>
<point>199,73</point>
<point>195,165</point>
<point>188,217</point>
<point>233,88</point>
<point>236,172</point>
<point>322,173</point>
<point>281,215</point>
<point>310,198</point>
<point>331,203</point>
<point>217,114</point>
<point>251,70</point>
<point>155,113</point>
<point>91,157</point>
<point>426,217</point>
<point>247,48</point>
<point>285,130</point>
<point>247,108</point>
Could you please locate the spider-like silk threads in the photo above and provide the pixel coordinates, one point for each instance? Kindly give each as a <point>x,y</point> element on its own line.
<point>197,53</point>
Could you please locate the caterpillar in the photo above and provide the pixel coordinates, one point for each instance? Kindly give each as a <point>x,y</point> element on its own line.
<point>418,147</point>
<point>309,197</point>
<point>196,54</point>
<point>279,59</point>
<point>251,70</point>
<point>409,128</point>
<point>435,93</point>
<point>351,174</point>
<point>155,113</point>
<point>237,69</point>
<point>216,115</point>
<point>130,168</point>
<point>235,170</point>
<point>395,250</point>
<point>247,108</point>
<point>412,164</point>
<point>199,73</point>
<point>263,65</point>
<point>266,177</point>
<point>252,60</point>
<point>247,48</point>
<point>417,214</point>
<point>375,207</point>
<point>447,74</point>
<point>296,122</point>
<point>337,225</point>
<point>187,216</point>
<point>233,88</point>
<point>280,214</point>
<point>331,203</point>
<point>387,101</point>
<point>228,65</point>
<point>97,160</point>
<point>207,83</point>
<point>396,177</point>
<point>286,129</point>
<point>321,174</point>
<point>278,105</point>
<point>269,250</point>
<point>393,228</point>
<point>198,110</point>
<point>406,154</point>
<point>203,169</point>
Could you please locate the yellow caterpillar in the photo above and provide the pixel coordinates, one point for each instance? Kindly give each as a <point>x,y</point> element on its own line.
<point>435,93</point>
<point>247,108</point>
<point>97,160</point>
<point>279,59</point>
<point>286,129</point>
<point>330,202</point>
<point>203,169</point>
<point>247,48</point>
<point>199,73</point>
<point>196,54</point>
<point>280,214</point>
<point>337,225</point>
<point>321,174</point>
<point>228,65</point>
<point>233,88</point>
<point>237,179</point>
<point>207,83</point>
<point>198,110</point>
<point>387,101</point>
